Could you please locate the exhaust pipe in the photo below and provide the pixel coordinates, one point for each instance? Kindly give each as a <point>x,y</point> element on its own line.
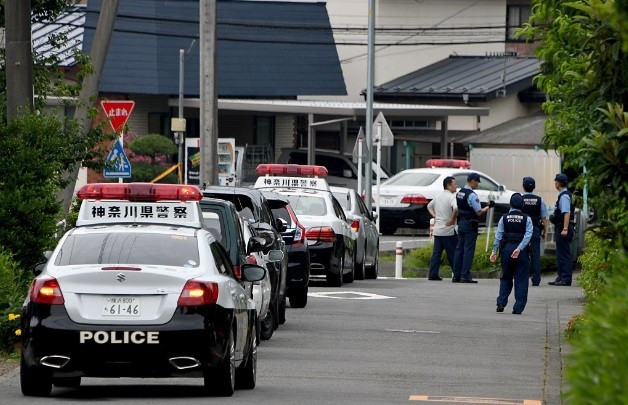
<point>55,361</point>
<point>183,363</point>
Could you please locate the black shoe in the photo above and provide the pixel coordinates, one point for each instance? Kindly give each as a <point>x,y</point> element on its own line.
<point>552,282</point>
<point>535,284</point>
<point>499,309</point>
<point>435,278</point>
<point>455,280</point>
<point>468,280</point>
<point>516,312</point>
<point>562,283</point>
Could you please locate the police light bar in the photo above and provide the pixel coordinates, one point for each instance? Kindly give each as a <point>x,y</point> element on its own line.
<point>145,192</point>
<point>452,163</point>
<point>291,170</point>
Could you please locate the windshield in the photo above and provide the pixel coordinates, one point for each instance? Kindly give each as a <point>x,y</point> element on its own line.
<point>343,200</point>
<point>307,205</point>
<point>215,226</point>
<point>129,248</point>
<point>412,179</point>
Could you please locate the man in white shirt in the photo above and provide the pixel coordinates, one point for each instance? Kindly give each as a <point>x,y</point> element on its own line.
<point>444,210</point>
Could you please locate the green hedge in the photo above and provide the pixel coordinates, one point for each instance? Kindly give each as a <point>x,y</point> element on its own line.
<point>597,369</point>
<point>14,283</point>
<point>596,265</point>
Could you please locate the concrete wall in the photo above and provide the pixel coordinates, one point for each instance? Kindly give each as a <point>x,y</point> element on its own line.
<point>394,61</point>
<point>285,131</point>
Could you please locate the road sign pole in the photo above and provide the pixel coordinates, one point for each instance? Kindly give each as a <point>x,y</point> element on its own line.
<point>121,138</point>
<point>360,167</point>
<point>379,162</point>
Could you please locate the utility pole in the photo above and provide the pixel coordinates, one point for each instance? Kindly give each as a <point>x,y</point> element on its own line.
<point>208,96</point>
<point>370,74</point>
<point>91,83</point>
<point>19,58</point>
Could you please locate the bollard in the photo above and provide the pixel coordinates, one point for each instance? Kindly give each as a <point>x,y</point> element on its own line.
<point>399,260</point>
<point>432,222</point>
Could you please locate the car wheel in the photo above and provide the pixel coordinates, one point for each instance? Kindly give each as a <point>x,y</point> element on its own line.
<point>247,373</point>
<point>360,268</point>
<point>34,381</point>
<point>371,271</point>
<point>67,382</point>
<point>258,329</point>
<point>298,299</point>
<point>268,323</point>
<point>220,381</point>
<point>281,313</point>
<point>333,279</point>
<point>349,277</point>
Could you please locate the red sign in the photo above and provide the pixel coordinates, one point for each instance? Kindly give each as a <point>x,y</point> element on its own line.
<point>118,112</point>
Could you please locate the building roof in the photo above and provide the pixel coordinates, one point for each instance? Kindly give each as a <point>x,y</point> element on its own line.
<point>527,130</point>
<point>337,108</point>
<point>480,77</point>
<point>69,23</point>
<point>257,55</point>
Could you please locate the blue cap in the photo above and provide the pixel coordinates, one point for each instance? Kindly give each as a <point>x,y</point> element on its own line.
<point>516,201</point>
<point>561,178</point>
<point>528,182</point>
<point>473,176</point>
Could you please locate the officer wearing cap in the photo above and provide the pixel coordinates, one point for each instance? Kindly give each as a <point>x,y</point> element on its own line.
<point>562,218</point>
<point>535,208</point>
<point>469,211</point>
<point>514,232</point>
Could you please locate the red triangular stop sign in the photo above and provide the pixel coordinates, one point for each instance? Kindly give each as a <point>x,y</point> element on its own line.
<point>118,112</point>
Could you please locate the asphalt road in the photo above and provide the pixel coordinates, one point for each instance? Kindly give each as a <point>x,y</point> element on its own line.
<point>429,341</point>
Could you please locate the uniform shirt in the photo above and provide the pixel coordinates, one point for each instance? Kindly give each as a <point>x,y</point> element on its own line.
<point>443,205</point>
<point>473,200</point>
<point>564,204</point>
<point>544,213</point>
<point>500,234</point>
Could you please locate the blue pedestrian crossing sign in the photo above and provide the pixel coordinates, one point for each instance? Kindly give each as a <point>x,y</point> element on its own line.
<point>118,164</point>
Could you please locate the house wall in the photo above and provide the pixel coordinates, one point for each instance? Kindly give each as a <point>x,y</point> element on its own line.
<point>506,109</point>
<point>144,106</point>
<point>394,61</point>
<point>285,131</point>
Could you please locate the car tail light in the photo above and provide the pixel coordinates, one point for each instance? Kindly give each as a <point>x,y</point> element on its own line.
<point>237,271</point>
<point>250,259</point>
<point>198,293</point>
<point>299,233</point>
<point>414,199</point>
<point>355,225</point>
<point>46,291</point>
<point>146,192</point>
<point>321,234</point>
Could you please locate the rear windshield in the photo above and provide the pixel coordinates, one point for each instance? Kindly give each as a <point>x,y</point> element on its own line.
<point>343,199</point>
<point>412,179</point>
<point>308,205</point>
<point>244,205</point>
<point>129,248</point>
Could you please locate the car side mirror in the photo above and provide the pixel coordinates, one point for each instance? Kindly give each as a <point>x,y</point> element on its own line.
<point>275,256</point>
<point>374,217</point>
<point>39,268</point>
<point>501,188</point>
<point>256,244</point>
<point>347,173</point>
<point>282,225</point>
<point>252,272</point>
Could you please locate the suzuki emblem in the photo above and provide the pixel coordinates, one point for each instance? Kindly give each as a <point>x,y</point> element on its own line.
<point>120,277</point>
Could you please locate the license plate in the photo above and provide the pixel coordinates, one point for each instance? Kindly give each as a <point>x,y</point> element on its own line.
<point>389,201</point>
<point>121,306</point>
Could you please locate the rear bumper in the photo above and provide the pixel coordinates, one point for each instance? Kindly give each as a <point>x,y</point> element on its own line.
<point>200,333</point>
<point>323,259</point>
<point>414,216</point>
<point>298,267</point>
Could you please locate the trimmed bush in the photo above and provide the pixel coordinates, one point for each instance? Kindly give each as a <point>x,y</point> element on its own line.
<point>14,283</point>
<point>596,265</point>
<point>153,145</point>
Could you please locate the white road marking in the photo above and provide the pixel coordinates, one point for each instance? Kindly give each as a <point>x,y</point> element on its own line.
<point>348,295</point>
<point>413,331</point>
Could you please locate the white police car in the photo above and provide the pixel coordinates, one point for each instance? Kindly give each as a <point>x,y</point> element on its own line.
<point>139,289</point>
<point>404,197</point>
<point>330,239</point>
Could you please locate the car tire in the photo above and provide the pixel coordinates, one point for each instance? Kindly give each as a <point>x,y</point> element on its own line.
<point>281,313</point>
<point>67,382</point>
<point>246,374</point>
<point>298,299</point>
<point>349,277</point>
<point>258,330</point>
<point>388,230</point>
<point>268,323</point>
<point>34,381</point>
<point>220,381</point>
<point>371,271</point>
<point>333,279</point>
<point>360,268</point>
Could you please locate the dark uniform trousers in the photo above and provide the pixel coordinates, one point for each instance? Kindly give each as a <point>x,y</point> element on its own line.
<point>467,236</point>
<point>514,269</point>
<point>535,256</point>
<point>564,258</point>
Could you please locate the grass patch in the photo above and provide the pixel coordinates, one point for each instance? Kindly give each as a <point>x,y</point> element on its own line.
<point>387,257</point>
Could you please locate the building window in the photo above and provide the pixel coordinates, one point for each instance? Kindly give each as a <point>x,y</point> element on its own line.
<point>516,16</point>
<point>409,124</point>
<point>158,123</point>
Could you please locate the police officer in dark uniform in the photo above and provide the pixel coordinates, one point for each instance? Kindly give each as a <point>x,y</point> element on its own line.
<point>562,218</point>
<point>534,207</point>
<point>469,211</point>
<point>514,232</point>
